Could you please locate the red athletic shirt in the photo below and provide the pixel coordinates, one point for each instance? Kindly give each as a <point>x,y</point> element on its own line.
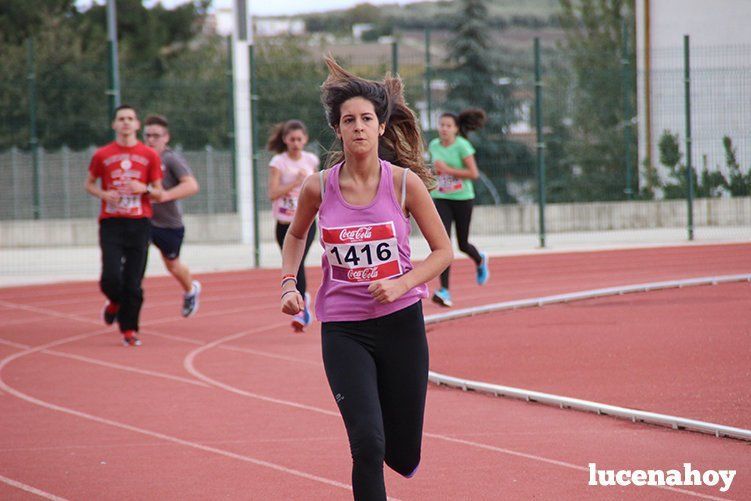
<point>116,165</point>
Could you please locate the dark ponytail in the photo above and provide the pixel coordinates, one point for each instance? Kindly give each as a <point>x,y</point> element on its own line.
<point>468,120</point>
<point>278,133</point>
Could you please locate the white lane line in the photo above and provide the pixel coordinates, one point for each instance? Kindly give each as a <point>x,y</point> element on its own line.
<point>189,364</point>
<point>272,355</point>
<point>558,463</point>
<point>28,488</point>
<point>324,411</point>
<point>47,405</point>
<point>182,339</point>
<point>110,365</point>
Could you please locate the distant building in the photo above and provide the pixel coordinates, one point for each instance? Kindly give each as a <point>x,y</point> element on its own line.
<point>271,27</point>
<point>221,23</point>
<point>720,48</point>
<point>359,28</point>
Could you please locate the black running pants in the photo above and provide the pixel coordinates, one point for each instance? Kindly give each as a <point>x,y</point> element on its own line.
<point>124,243</point>
<point>378,373</point>
<point>460,213</point>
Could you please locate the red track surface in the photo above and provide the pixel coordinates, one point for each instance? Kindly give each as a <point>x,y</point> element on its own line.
<point>683,352</point>
<point>230,404</point>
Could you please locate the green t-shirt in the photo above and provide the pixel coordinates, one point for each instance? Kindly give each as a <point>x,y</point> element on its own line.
<point>450,187</point>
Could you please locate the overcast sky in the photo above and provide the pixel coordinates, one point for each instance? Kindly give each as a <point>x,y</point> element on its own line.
<point>269,8</point>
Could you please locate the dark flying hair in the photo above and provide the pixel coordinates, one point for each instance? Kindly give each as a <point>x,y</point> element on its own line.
<point>468,120</point>
<point>401,142</point>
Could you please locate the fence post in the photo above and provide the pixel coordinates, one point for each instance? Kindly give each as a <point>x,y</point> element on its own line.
<point>540,143</point>
<point>394,57</point>
<point>689,166</point>
<point>627,118</point>
<point>95,203</point>
<point>428,91</point>
<point>254,99</point>
<point>210,192</point>
<point>40,176</point>
<point>113,92</point>
<point>33,139</point>
<point>231,120</point>
<point>14,171</point>
<point>66,181</point>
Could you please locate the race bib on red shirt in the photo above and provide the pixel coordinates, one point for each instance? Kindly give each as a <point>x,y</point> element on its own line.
<point>449,184</point>
<point>362,254</point>
<point>119,179</point>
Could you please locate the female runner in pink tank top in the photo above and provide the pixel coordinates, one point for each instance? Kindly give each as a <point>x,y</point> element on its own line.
<point>287,171</point>
<point>374,347</point>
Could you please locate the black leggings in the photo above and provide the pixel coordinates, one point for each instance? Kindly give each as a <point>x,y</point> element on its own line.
<point>125,245</point>
<point>281,232</point>
<point>378,373</point>
<point>460,212</point>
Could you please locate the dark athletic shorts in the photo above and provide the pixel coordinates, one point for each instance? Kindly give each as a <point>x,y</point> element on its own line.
<point>168,241</point>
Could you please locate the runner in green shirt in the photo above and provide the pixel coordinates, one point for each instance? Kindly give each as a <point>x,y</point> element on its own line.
<point>453,158</point>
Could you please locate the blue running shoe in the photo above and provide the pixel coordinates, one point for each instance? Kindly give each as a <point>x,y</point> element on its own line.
<point>483,272</point>
<point>443,297</point>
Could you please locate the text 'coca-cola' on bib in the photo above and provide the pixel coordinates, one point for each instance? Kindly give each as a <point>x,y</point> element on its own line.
<point>361,254</point>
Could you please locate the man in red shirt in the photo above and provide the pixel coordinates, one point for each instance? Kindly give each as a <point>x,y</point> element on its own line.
<point>130,174</point>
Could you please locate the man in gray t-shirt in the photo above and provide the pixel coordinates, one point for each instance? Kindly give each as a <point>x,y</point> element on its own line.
<point>167,229</point>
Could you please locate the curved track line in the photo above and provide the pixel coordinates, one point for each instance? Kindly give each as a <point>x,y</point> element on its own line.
<point>675,422</point>
<point>28,488</point>
<point>110,365</point>
<point>47,405</point>
<point>189,364</point>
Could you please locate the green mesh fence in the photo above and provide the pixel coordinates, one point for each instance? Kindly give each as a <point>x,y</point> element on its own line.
<point>614,159</point>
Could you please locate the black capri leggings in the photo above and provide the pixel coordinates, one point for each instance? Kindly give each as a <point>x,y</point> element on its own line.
<point>459,212</point>
<point>281,232</point>
<point>378,373</point>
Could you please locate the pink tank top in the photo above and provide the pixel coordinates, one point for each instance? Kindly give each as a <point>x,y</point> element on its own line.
<point>362,244</point>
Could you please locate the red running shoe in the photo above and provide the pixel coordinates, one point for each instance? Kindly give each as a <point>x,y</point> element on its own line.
<point>130,339</point>
<point>109,313</point>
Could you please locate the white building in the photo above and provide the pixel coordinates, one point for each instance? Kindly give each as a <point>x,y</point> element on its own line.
<point>720,49</point>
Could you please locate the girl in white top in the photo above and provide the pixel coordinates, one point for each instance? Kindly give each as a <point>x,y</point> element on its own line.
<point>287,171</point>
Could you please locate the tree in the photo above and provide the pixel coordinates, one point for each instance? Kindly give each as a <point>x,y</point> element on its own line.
<point>739,184</point>
<point>475,81</point>
<point>289,81</point>
<point>70,63</point>
<point>593,48</point>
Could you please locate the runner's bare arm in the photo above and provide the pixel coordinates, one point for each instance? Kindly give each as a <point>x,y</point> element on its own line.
<point>277,189</point>
<point>471,171</point>
<point>294,242</point>
<point>187,187</point>
<point>92,188</point>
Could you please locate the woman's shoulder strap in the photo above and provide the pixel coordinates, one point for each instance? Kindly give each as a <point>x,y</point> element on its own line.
<point>404,189</point>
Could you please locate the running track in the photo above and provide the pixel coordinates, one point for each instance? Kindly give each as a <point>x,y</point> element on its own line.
<point>230,404</point>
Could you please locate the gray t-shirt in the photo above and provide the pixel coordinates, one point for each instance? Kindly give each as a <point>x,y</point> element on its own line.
<point>170,214</point>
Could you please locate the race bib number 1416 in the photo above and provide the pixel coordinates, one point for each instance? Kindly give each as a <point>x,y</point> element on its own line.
<point>362,254</point>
